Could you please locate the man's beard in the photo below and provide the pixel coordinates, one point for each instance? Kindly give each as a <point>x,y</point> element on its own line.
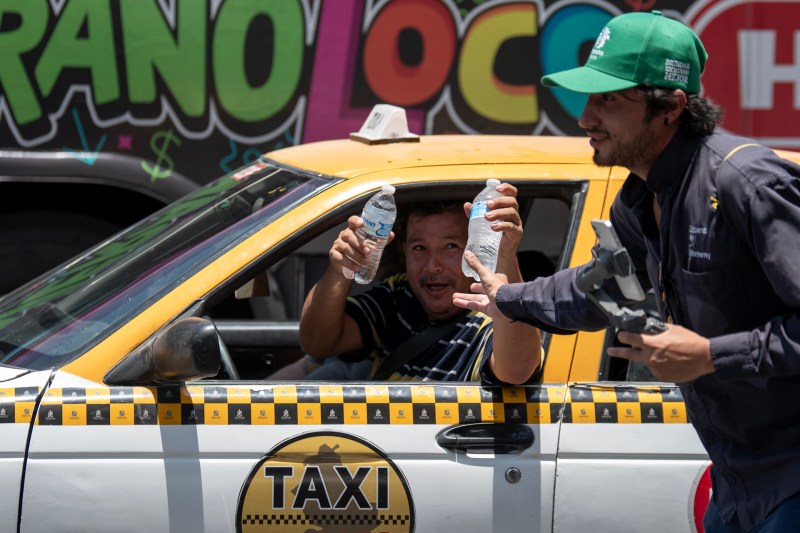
<point>631,154</point>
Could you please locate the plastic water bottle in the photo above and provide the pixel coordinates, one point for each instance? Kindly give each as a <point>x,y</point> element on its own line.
<point>379,215</point>
<point>483,241</point>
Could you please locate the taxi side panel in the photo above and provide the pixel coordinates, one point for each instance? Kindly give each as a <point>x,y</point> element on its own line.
<point>218,457</point>
<point>645,476</point>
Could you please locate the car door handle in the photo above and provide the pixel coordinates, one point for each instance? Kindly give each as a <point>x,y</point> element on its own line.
<point>486,437</point>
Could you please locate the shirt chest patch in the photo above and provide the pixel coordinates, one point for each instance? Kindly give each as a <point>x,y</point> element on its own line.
<point>698,241</point>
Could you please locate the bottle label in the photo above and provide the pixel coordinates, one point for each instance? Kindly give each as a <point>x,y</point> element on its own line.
<point>378,229</point>
<point>478,210</point>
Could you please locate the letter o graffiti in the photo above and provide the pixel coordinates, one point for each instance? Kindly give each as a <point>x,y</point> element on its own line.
<point>388,77</point>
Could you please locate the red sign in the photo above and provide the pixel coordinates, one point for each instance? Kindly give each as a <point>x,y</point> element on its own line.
<point>753,69</point>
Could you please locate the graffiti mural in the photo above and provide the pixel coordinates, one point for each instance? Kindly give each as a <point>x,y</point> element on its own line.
<point>202,87</point>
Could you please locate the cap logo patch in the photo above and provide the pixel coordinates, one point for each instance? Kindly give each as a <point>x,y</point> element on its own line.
<point>604,36</point>
<point>675,70</point>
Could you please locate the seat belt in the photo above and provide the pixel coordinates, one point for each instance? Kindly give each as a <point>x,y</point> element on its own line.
<point>413,346</point>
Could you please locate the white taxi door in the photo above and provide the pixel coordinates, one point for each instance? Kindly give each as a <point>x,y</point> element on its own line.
<point>628,460</point>
<point>274,457</point>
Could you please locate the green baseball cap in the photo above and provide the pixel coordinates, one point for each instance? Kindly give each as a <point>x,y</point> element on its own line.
<point>638,49</point>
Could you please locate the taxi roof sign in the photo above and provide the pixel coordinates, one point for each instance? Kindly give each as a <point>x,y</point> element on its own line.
<point>385,124</point>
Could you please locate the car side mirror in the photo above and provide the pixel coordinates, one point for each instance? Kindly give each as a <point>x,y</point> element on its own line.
<point>186,350</point>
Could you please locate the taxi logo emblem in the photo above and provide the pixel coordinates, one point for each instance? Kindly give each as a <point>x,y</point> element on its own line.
<point>325,482</point>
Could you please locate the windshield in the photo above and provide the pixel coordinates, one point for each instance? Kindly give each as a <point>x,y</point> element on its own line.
<point>56,317</point>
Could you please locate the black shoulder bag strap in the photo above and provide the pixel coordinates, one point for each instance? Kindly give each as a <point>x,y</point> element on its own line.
<point>413,346</point>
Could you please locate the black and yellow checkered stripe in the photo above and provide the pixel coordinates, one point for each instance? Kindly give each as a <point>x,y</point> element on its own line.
<point>599,404</point>
<point>344,404</point>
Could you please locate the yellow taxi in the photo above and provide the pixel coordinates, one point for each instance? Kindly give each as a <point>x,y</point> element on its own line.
<point>135,390</point>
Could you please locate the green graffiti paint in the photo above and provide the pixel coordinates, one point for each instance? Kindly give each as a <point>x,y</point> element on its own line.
<point>14,79</point>
<point>83,38</point>
<point>145,58</point>
<point>153,52</point>
<point>234,92</point>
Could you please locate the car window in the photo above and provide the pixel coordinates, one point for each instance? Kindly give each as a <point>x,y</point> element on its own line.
<point>549,218</point>
<point>56,317</point>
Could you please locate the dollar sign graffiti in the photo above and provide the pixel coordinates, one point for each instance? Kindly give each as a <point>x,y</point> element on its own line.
<point>160,144</point>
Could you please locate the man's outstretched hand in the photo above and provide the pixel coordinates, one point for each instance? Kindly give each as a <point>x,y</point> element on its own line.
<point>484,293</point>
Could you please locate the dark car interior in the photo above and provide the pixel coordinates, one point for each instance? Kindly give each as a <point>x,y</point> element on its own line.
<point>259,324</point>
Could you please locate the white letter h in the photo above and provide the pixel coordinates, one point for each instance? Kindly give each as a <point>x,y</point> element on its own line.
<point>758,71</point>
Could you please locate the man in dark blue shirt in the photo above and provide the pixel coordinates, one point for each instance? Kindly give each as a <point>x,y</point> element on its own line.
<point>712,223</point>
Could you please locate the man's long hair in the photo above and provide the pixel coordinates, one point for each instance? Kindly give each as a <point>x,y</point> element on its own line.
<point>700,116</point>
